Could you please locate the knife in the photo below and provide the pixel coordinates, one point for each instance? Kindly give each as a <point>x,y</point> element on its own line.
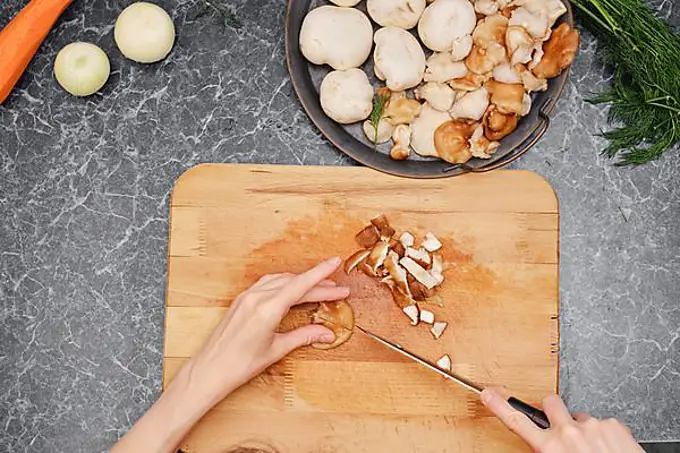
<point>535,415</point>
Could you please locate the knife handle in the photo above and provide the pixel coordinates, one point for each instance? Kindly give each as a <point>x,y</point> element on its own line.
<point>535,415</point>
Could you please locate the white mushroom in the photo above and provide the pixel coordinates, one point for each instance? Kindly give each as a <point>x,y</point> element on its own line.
<point>444,21</point>
<point>438,329</point>
<point>461,48</point>
<point>441,68</point>
<point>537,56</point>
<point>345,3</point>
<point>423,127</point>
<point>346,96</point>
<point>396,13</point>
<point>444,363</point>
<point>402,141</point>
<point>526,105</point>
<point>399,59</point>
<point>427,316</point>
<point>420,256</point>
<point>506,74</point>
<point>552,9</point>
<point>480,147</point>
<point>471,106</point>
<point>413,314</point>
<point>536,25</point>
<point>407,239</point>
<point>520,45</point>
<point>431,243</point>
<point>339,37</point>
<point>438,95</point>
<point>418,272</point>
<point>531,82</point>
<point>385,130</point>
<point>486,7</point>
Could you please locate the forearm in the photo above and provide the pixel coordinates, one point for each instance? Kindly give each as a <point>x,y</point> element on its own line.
<point>171,418</point>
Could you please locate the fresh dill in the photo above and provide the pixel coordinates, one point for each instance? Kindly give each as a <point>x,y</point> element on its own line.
<point>645,96</point>
<point>379,104</point>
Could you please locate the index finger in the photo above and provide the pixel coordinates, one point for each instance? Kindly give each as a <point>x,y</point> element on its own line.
<point>516,421</point>
<point>300,285</point>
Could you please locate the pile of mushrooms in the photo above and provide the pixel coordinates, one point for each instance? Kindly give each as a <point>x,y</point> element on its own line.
<point>412,271</point>
<point>487,57</point>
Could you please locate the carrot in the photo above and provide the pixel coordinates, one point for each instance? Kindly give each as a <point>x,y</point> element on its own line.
<point>20,39</point>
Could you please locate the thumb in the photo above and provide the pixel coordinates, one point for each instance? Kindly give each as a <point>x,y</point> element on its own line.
<point>303,336</point>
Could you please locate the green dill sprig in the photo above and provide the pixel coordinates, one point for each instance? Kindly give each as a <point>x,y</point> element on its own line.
<point>645,96</point>
<point>379,104</point>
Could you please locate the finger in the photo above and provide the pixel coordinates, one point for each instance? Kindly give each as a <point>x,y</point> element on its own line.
<point>285,343</point>
<point>516,421</point>
<point>300,285</point>
<point>327,283</point>
<point>264,279</point>
<point>557,412</point>
<point>581,417</point>
<point>277,283</point>
<point>324,293</point>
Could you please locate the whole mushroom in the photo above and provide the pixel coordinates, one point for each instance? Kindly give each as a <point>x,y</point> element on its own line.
<point>558,52</point>
<point>471,106</point>
<point>346,96</point>
<point>399,59</point>
<point>439,95</point>
<point>451,141</point>
<point>339,37</point>
<point>444,21</point>
<point>396,13</point>
<point>441,67</point>
<point>345,3</point>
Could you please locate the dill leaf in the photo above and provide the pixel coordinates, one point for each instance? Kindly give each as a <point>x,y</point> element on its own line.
<point>379,104</point>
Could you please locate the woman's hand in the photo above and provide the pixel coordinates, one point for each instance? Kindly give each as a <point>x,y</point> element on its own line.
<point>243,345</point>
<point>246,343</point>
<point>578,434</point>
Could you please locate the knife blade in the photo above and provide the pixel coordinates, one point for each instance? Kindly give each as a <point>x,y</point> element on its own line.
<point>535,415</point>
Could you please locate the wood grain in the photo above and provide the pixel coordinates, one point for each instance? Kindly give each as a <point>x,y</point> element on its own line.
<point>232,223</point>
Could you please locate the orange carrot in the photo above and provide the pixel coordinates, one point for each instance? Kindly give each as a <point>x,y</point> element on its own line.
<point>20,39</point>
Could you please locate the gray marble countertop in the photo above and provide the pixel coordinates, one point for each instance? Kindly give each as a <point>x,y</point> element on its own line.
<point>84,187</point>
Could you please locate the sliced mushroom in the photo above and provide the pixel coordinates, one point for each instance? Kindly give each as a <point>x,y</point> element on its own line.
<point>470,82</point>
<point>339,37</point>
<point>367,237</point>
<point>427,316</point>
<point>422,130</point>
<point>418,291</point>
<point>519,44</point>
<point>444,21</point>
<point>451,141</point>
<point>398,58</point>
<point>531,82</point>
<point>377,256</point>
<point>438,329</point>
<point>482,60</point>
<point>383,226</point>
<point>346,96</point>
<point>471,106</point>
<point>536,25</point>
<point>505,73</point>
<point>385,130</point>
<point>402,141</point>
<point>397,273</point>
<point>461,48</point>
<point>401,110</point>
<point>490,30</point>
<point>396,13</point>
<point>486,7</point>
<point>420,256</point>
<point>441,67</point>
<point>438,95</point>
<point>353,261</point>
<point>365,268</point>
<point>413,314</point>
<point>437,270</point>
<point>418,272</point>
<point>506,97</point>
<point>431,243</point>
<point>338,317</point>
<point>537,55</point>
<point>444,363</point>
<point>498,125</point>
<point>559,52</point>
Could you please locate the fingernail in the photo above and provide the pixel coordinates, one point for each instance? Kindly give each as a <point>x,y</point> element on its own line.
<point>334,261</point>
<point>486,396</point>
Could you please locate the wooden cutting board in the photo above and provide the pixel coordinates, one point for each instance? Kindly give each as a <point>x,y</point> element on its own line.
<point>232,223</point>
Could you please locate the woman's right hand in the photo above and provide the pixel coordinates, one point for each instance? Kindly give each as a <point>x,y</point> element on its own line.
<point>579,433</point>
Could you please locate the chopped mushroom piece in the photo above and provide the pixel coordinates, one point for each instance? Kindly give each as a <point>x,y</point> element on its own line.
<point>445,20</point>
<point>471,106</point>
<point>438,95</point>
<point>353,261</point>
<point>441,67</point>
<point>438,329</point>
<point>413,313</point>
<point>401,110</point>
<point>526,105</point>
<point>470,82</point>
<point>418,291</point>
<point>431,243</point>
<point>480,146</point>
<point>531,82</point>
<point>367,237</point>
<point>337,316</point>
<point>423,130</point>
<point>418,272</point>
<point>444,363</point>
<point>451,141</point>
<point>536,24</point>
<point>367,269</point>
<point>506,97</point>
<point>398,273</point>
<point>461,48</point>
<point>427,316</point>
<point>498,125</point>
<point>437,270</point>
<point>519,44</point>
<point>407,239</point>
<point>383,226</point>
<point>505,73</point>
<point>559,52</point>
<point>490,30</point>
<point>402,140</point>
<point>377,256</point>
<point>482,60</point>
<point>420,256</point>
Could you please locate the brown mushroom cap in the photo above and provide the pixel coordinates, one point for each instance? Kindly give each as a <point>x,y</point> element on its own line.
<point>506,97</point>
<point>498,125</point>
<point>558,52</point>
<point>451,141</point>
<point>338,317</point>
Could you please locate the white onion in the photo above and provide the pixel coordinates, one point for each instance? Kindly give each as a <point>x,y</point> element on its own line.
<point>144,32</point>
<point>81,68</point>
